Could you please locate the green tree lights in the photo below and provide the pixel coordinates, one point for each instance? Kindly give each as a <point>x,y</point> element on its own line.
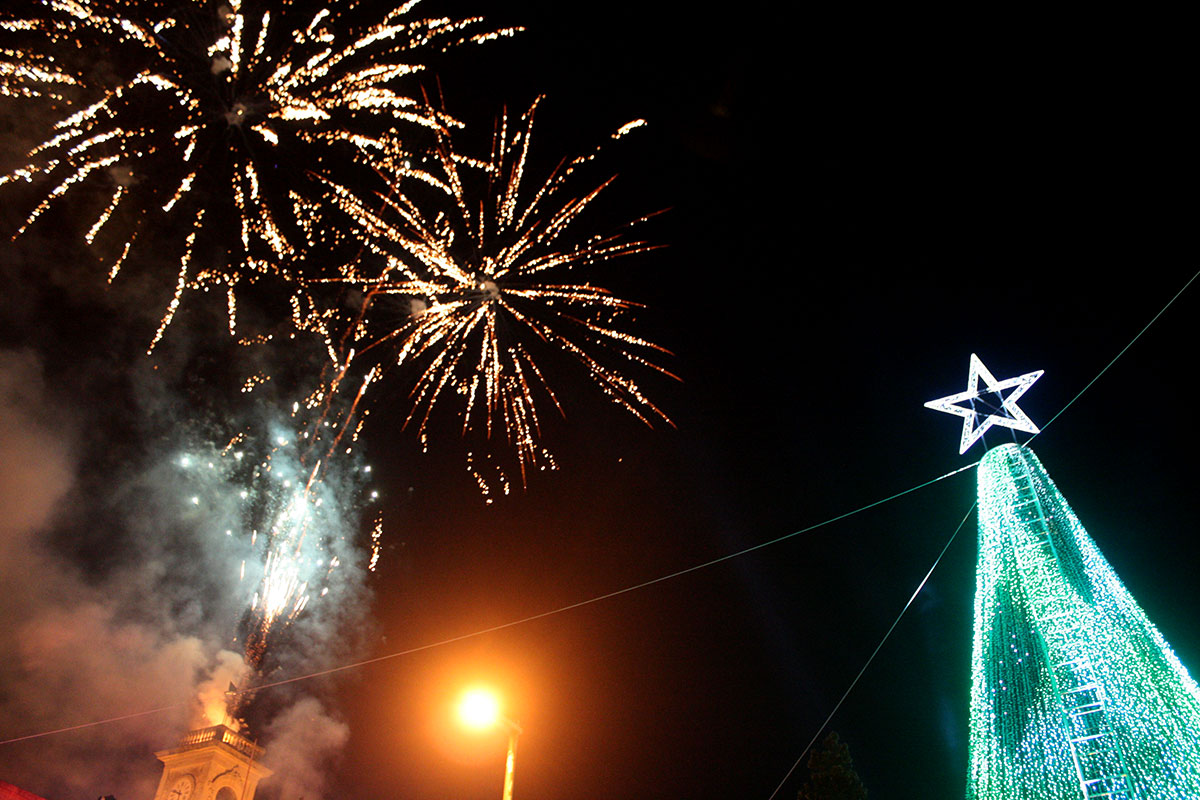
<point>1075,694</point>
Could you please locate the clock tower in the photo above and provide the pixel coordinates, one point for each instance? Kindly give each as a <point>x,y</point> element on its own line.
<point>214,763</point>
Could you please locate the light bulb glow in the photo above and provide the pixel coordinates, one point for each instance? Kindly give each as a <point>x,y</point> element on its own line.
<point>1075,694</point>
<point>479,709</point>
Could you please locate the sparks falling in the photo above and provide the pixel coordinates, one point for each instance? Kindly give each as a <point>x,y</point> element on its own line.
<point>296,522</point>
<point>35,75</point>
<point>189,112</point>
<point>479,286</point>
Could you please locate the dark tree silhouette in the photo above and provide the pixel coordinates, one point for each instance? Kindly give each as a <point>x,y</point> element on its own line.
<point>831,774</point>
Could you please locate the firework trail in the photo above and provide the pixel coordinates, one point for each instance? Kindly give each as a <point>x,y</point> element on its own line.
<point>484,277</point>
<point>296,520</point>
<point>191,118</point>
<point>31,75</point>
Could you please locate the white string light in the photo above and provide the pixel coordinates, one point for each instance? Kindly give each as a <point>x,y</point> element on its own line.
<point>1009,415</point>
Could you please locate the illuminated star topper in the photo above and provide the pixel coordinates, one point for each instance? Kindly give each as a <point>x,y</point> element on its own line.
<point>1007,414</point>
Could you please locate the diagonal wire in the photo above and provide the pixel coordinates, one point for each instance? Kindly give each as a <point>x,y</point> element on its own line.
<point>616,593</point>
<point>1162,311</point>
<point>94,723</point>
<point>875,652</point>
<point>956,530</point>
<point>513,623</point>
<point>645,584</point>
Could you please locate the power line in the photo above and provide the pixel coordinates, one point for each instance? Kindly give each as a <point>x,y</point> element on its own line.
<point>955,534</point>
<point>608,595</point>
<point>94,723</point>
<point>1162,311</point>
<point>875,652</point>
<point>652,582</point>
<point>514,623</point>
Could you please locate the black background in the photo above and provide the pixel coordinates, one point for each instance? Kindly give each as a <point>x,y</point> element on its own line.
<point>857,203</point>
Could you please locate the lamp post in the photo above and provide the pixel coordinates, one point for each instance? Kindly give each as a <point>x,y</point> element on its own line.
<point>480,709</point>
<point>514,730</point>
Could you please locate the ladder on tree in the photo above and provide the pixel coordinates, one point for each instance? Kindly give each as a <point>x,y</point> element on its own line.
<point>1099,762</point>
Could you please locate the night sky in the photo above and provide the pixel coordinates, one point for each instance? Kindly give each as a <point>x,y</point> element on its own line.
<point>856,204</point>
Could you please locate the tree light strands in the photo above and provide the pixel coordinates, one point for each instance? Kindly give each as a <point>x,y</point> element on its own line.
<point>1075,694</point>
<point>1008,415</point>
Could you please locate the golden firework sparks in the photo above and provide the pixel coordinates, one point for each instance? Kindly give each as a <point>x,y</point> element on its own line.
<point>490,281</point>
<point>200,108</point>
<point>35,75</point>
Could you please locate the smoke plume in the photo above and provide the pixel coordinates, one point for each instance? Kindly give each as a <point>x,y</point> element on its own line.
<point>123,592</point>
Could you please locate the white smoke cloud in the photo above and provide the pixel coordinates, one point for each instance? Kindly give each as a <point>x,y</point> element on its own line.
<point>35,466</point>
<point>69,658</point>
<point>149,629</point>
<point>304,740</point>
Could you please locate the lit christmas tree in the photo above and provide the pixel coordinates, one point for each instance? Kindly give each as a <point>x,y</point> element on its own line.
<point>1075,694</point>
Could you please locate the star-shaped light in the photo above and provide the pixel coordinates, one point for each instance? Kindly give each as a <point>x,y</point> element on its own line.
<point>1008,415</point>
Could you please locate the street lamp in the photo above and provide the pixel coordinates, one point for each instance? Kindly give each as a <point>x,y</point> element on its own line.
<point>480,709</point>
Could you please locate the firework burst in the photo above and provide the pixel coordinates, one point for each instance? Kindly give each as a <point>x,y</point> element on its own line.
<point>487,282</point>
<point>191,117</point>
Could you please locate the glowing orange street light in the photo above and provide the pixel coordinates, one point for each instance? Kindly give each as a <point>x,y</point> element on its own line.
<point>480,709</point>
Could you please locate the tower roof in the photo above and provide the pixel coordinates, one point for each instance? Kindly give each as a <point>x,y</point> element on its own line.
<point>219,735</point>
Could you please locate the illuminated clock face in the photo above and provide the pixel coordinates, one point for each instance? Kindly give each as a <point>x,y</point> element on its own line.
<point>182,788</point>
